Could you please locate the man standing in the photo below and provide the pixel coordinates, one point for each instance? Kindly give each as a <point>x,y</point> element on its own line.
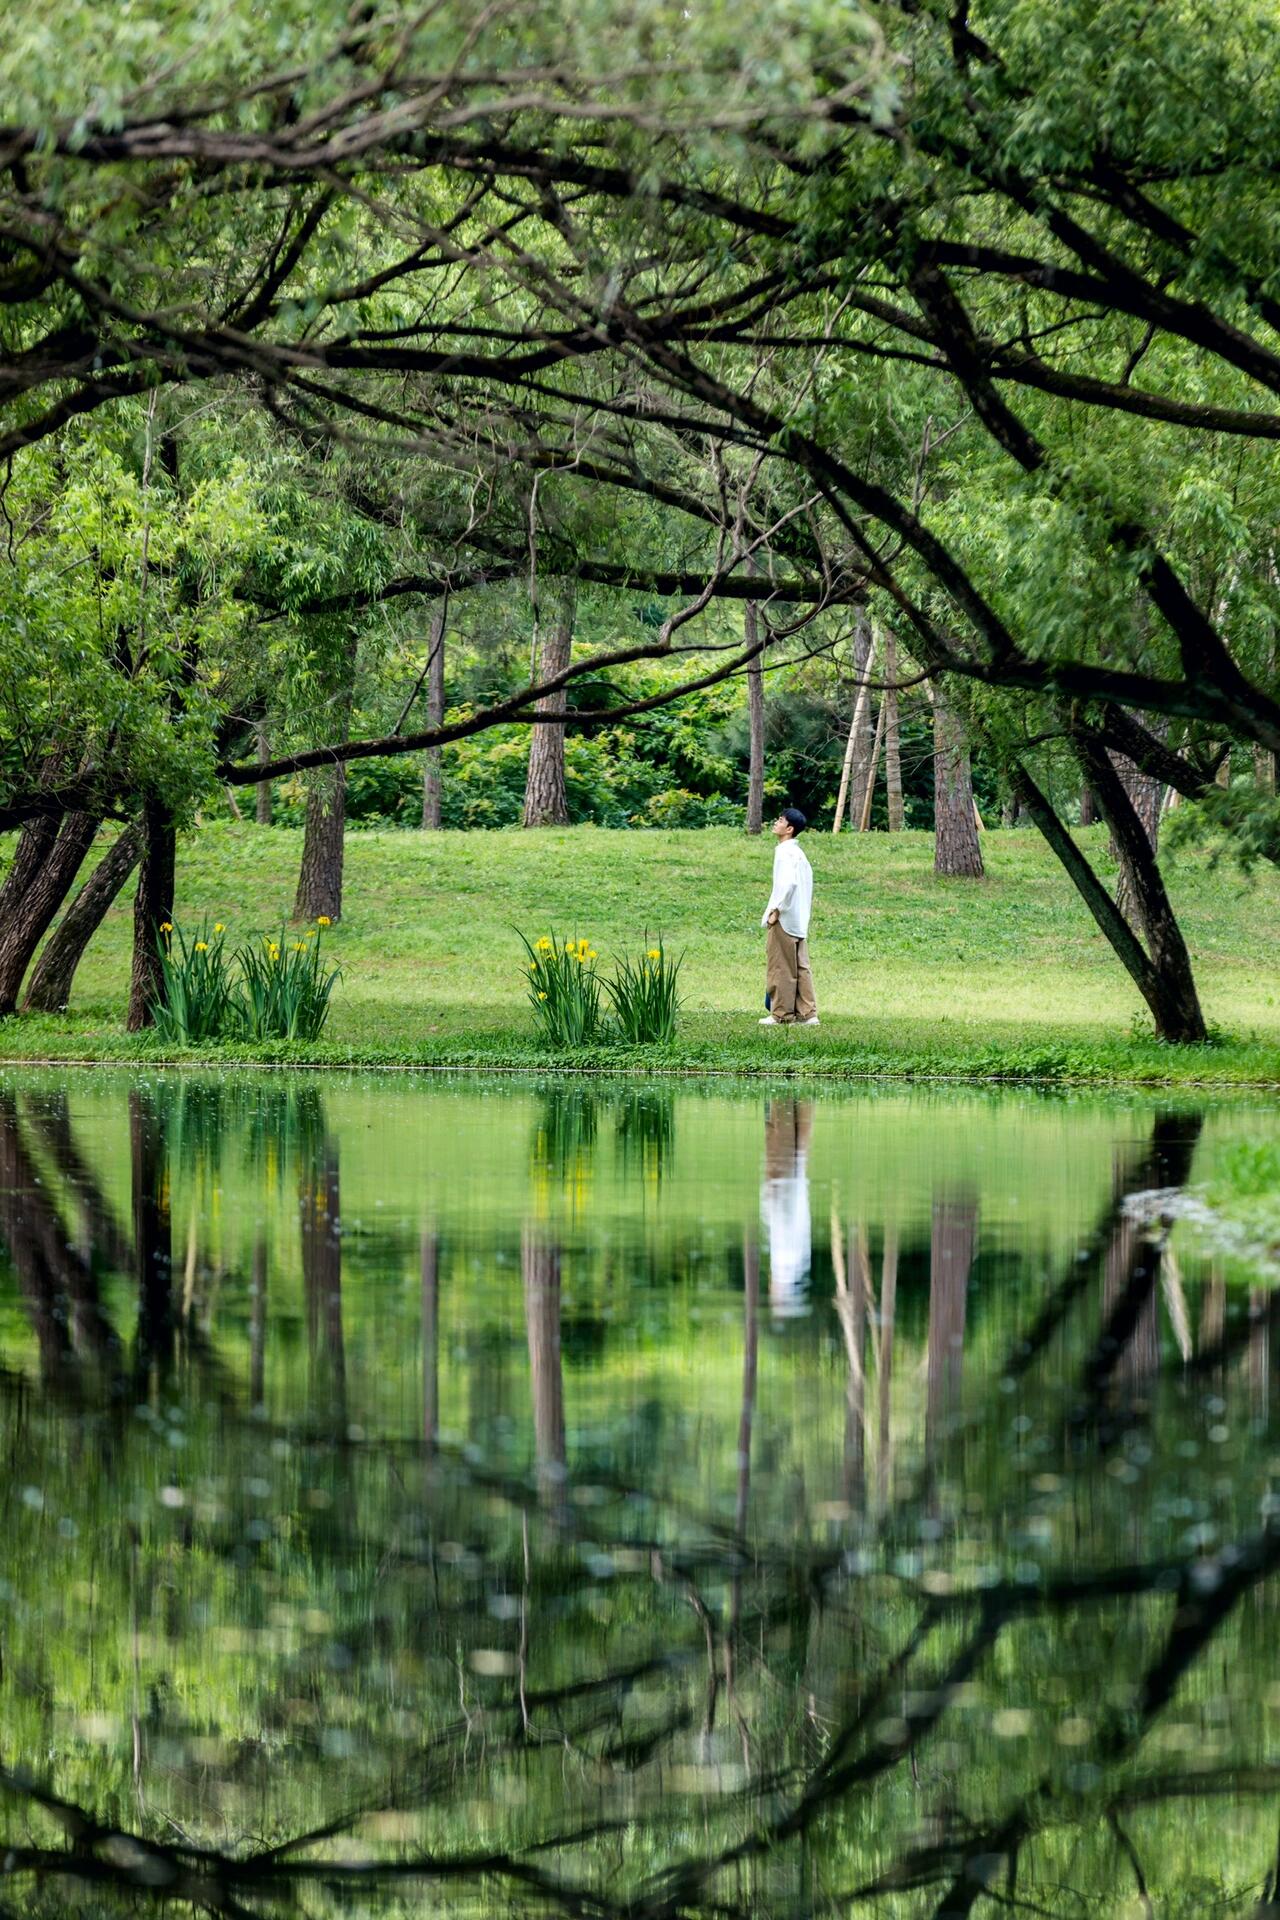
<point>788,979</point>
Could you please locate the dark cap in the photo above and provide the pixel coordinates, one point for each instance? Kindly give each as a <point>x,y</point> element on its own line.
<point>796,818</point>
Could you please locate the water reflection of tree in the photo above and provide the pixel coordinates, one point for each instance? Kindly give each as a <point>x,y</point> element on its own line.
<point>320,1219</point>
<point>152,1233</point>
<point>540,1276</point>
<point>576,1782</point>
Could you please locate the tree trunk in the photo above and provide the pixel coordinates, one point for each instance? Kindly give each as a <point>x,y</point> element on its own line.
<point>856,725</point>
<point>1146,796</point>
<point>546,803</point>
<point>957,854</point>
<point>49,989</point>
<point>152,905</point>
<point>1088,807</point>
<point>755,712</point>
<point>869,791</point>
<point>1162,996</point>
<point>324,833</point>
<point>1264,769</point>
<point>30,917</point>
<point>860,771</point>
<point>29,855</point>
<point>262,812</point>
<point>431,794</point>
<point>892,739</point>
<point>323,847</point>
<point>1177,1015</point>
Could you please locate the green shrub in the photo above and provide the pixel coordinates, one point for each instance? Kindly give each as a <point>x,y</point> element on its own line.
<point>284,989</point>
<point>645,996</point>
<point>275,990</point>
<point>564,990</point>
<point>197,1001</point>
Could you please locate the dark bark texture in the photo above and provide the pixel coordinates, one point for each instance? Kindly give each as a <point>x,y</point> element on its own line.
<point>956,853</point>
<point>323,848</point>
<point>546,802</point>
<point>49,988</point>
<point>1176,1004</point>
<point>29,918</point>
<point>152,906</point>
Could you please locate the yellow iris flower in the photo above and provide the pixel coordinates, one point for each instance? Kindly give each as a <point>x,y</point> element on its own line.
<point>202,946</point>
<point>323,920</point>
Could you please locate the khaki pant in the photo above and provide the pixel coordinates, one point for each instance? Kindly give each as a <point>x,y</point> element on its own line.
<point>787,976</point>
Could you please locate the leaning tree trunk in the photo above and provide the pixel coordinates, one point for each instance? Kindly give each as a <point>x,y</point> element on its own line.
<point>431,783</point>
<point>319,894</point>
<point>546,802</point>
<point>30,917</point>
<point>1178,1016</point>
<point>892,739</point>
<point>1163,989</point>
<point>29,855</point>
<point>152,906</point>
<point>956,854</point>
<point>755,716</point>
<point>49,989</point>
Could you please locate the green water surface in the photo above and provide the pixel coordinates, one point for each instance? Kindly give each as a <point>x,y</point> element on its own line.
<point>614,1501</point>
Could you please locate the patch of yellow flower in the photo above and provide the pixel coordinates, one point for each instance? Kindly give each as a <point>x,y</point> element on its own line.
<point>543,945</point>
<point>202,946</point>
<point>166,926</point>
<point>218,927</point>
<point>542,996</point>
<point>323,920</point>
<point>655,953</point>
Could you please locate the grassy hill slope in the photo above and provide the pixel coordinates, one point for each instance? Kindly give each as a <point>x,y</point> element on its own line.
<point>914,974</point>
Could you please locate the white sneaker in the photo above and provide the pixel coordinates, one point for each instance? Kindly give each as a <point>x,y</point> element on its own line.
<point>812,1021</point>
<point>768,1021</point>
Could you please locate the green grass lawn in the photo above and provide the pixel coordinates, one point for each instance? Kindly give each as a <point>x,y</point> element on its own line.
<point>914,975</point>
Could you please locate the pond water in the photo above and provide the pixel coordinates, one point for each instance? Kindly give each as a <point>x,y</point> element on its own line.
<point>612,1500</point>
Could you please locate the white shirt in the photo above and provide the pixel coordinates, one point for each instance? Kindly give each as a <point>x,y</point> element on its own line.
<point>792,896</point>
<point>784,1204</point>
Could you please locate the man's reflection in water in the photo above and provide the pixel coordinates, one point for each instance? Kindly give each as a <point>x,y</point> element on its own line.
<point>784,1203</point>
